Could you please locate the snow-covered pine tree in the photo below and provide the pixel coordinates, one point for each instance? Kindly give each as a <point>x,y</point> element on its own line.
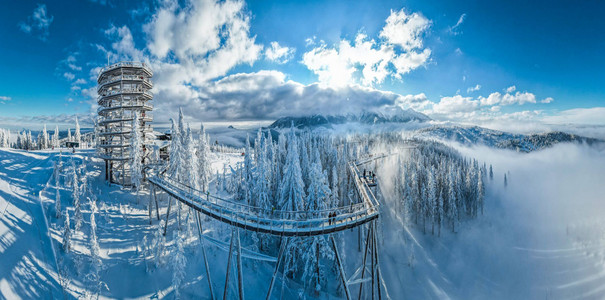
<point>432,198</point>
<point>179,262</point>
<point>181,127</point>
<point>247,182</point>
<point>69,138</point>
<point>292,190</point>
<point>175,165</point>
<point>55,139</point>
<point>159,244</point>
<point>318,197</point>
<point>76,197</point>
<point>334,187</point>
<point>262,187</point>
<point>96,264</point>
<point>452,200</point>
<point>136,153</point>
<point>44,143</point>
<point>491,173</point>
<point>480,190</point>
<point>57,191</point>
<point>203,152</point>
<point>77,136</point>
<point>191,161</point>
<point>66,233</point>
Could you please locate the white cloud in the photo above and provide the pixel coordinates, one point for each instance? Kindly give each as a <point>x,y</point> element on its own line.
<point>4,99</point>
<point>69,76</point>
<point>279,54</point>
<point>592,116</point>
<point>511,89</point>
<point>74,67</point>
<point>473,89</point>
<point>405,30</point>
<point>417,102</point>
<point>547,100</point>
<point>455,104</point>
<point>38,23</point>
<point>310,41</point>
<point>80,81</point>
<point>123,44</point>
<point>454,29</point>
<point>367,61</point>
<point>519,98</point>
<point>200,41</point>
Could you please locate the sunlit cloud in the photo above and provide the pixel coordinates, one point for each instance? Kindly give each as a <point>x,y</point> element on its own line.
<point>369,61</point>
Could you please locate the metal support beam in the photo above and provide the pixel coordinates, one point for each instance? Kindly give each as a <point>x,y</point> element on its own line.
<point>229,264</point>
<point>167,215</point>
<point>377,262</point>
<point>283,243</point>
<point>363,264</point>
<point>157,206</point>
<point>240,277</point>
<point>201,231</point>
<point>150,203</point>
<point>341,268</point>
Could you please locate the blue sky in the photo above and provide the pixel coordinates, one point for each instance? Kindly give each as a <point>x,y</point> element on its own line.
<point>477,62</point>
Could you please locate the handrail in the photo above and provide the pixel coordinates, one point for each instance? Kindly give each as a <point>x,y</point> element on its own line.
<point>126,91</point>
<point>126,105</point>
<point>132,64</point>
<point>117,78</point>
<point>246,207</point>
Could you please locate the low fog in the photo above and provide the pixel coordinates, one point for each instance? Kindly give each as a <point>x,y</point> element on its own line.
<point>541,237</point>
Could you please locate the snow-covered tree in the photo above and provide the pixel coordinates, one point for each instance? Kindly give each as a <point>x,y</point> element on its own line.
<point>55,137</point>
<point>57,191</point>
<point>203,152</point>
<point>44,143</point>
<point>480,190</point>
<point>318,197</point>
<point>136,153</point>
<point>292,190</point>
<point>66,233</point>
<point>191,161</point>
<point>505,180</point>
<point>77,135</point>
<point>176,164</point>
<point>159,244</point>
<point>432,198</point>
<point>69,138</point>
<point>76,197</point>
<point>247,183</point>
<point>491,172</point>
<point>179,262</point>
<point>96,264</point>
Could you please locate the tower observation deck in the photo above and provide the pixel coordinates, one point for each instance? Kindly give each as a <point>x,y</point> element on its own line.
<point>123,89</point>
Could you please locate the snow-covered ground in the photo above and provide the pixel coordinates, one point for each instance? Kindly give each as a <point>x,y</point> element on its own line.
<point>540,238</point>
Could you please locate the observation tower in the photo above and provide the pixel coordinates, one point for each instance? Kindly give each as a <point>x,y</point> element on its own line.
<point>123,89</point>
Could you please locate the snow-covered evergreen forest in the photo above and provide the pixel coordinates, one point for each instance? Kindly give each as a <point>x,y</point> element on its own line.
<point>45,139</point>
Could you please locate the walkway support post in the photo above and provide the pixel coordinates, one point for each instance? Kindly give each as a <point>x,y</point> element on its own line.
<point>157,207</point>
<point>282,247</point>
<point>240,276</point>
<point>229,264</point>
<point>343,277</point>
<point>167,215</point>
<point>201,231</point>
<point>363,264</point>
